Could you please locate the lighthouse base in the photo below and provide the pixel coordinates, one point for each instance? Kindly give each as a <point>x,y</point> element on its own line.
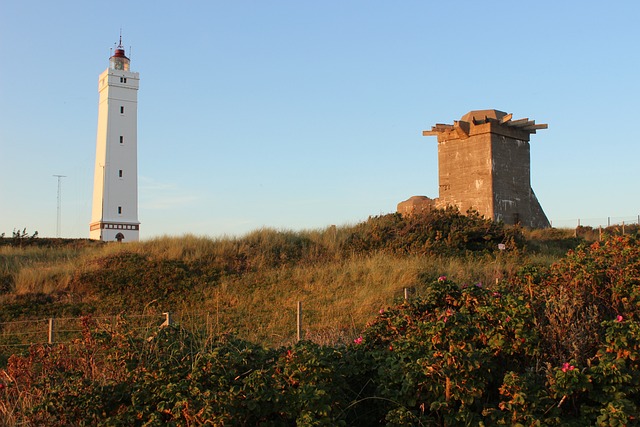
<point>115,232</point>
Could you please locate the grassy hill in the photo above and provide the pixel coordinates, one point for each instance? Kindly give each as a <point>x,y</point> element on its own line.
<point>504,326</point>
<point>343,275</point>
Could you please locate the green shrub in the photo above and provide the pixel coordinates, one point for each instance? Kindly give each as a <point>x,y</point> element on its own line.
<point>590,285</point>
<point>457,354</point>
<point>557,345</point>
<point>163,282</point>
<point>440,231</point>
<point>443,356</point>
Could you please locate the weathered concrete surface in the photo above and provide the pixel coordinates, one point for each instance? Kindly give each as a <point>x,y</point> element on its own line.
<point>484,164</point>
<point>415,205</point>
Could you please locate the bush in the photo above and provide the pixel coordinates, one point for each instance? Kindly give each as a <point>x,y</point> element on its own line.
<point>443,356</point>
<point>164,282</point>
<point>590,285</point>
<point>554,346</point>
<point>440,231</point>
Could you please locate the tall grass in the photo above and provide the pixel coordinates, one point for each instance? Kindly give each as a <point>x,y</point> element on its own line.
<point>13,259</point>
<point>251,284</point>
<point>45,279</point>
<point>338,297</point>
<point>34,269</point>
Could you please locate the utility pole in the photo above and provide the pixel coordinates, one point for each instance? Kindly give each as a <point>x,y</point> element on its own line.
<point>59,222</point>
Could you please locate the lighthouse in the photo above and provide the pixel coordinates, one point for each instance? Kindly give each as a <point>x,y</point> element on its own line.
<point>115,185</point>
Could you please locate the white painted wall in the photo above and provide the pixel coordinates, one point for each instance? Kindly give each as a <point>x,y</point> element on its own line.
<point>115,197</point>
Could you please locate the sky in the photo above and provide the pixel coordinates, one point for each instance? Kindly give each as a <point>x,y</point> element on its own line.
<point>294,115</point>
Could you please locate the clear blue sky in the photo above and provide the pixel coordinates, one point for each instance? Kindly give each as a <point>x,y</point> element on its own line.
<point>302,114</point>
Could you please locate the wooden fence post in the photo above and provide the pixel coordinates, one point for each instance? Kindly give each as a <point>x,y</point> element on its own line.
<point>299,321</point>
<point>406,294</point>
<point>208,326</point>
<point>168,321</point>
<point>51,329</point>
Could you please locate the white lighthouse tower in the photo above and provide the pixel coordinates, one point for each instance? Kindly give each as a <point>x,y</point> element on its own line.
<point>115,186</point>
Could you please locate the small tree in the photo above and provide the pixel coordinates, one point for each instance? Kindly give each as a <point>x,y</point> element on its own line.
<point>20,236</point>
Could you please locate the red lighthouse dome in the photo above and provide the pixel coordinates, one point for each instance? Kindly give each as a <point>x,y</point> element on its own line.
<point>119,60</point>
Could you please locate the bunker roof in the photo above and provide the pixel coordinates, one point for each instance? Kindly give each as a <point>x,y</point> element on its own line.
<point>495,118</point>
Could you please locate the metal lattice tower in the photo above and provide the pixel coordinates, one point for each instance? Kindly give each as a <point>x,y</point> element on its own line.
<point>59,217</point>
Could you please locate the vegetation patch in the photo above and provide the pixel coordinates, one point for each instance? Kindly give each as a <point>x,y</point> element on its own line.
<point>457,354</point>
<point>165,282</point>
<point>440,231</point>
<point>501,326</point>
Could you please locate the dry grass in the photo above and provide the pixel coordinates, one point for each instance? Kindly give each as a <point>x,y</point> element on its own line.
<point>265,273</point>
<point>13,408</point>
<point>43,279</point>
<point>338,298</point>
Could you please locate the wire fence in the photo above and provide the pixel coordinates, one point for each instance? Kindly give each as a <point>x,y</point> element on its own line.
<point>59,330</point>
<point>18,336</point>
<point>596,222</point>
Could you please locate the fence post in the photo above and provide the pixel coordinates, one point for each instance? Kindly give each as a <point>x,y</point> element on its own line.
<point>608,221</point>
<point>208,326</point>
<point>600,233</point>
<point>51,329</point>
<point>406,294</point>
<point>623,228</point>
<point>168,321</point>
<point>299,321</point>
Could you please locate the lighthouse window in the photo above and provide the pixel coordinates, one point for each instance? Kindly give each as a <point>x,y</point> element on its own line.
<point>122,109</point>
<point>121,139</point>
<point>120,173</point>
<point>123,79</point>
<point>119,209</point>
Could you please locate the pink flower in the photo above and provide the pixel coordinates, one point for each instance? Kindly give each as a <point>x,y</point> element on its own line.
<point>381,311</point>
<point>619,318</point>
<point>497,294</point>
<point>567,367</point>
<point>508,319</point>
<point>358,340</point>
<point>442,278</point>
<point>479,284</point>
